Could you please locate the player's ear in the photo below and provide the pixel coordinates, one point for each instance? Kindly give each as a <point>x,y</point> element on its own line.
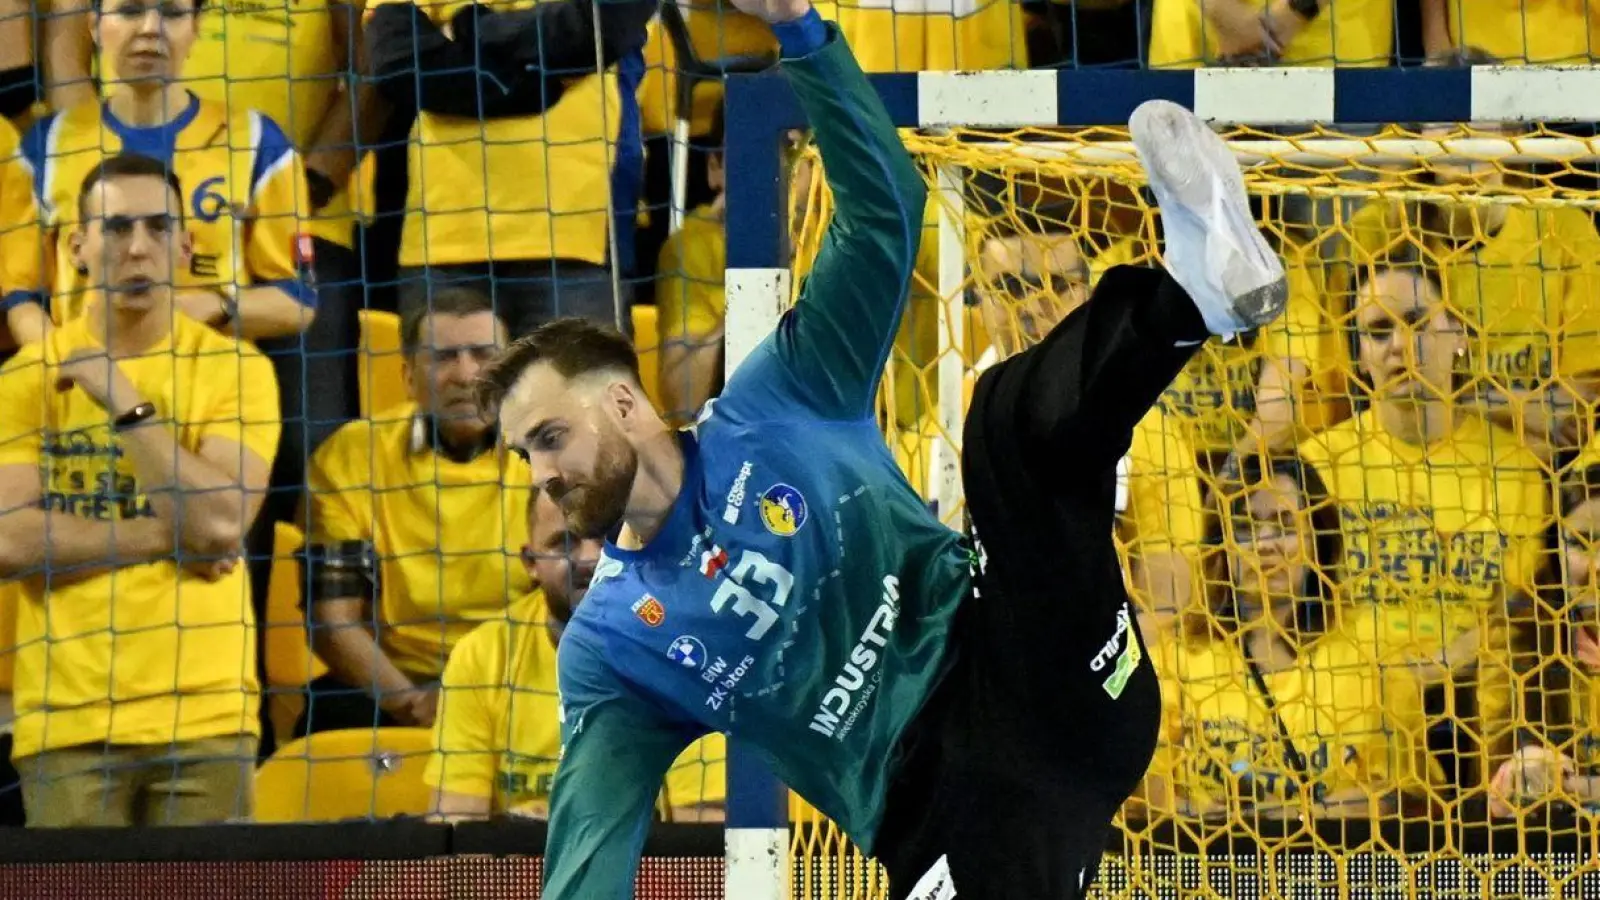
<point>621,396</point>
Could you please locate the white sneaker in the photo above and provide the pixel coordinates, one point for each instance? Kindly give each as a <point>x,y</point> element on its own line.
<point>1214,249</point>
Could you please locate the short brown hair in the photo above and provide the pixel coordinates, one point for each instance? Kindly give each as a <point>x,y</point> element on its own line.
<point>450,300</point>
<point>573,346</point>
<point>128,165</point>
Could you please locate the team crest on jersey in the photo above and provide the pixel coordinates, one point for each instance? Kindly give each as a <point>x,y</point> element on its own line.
<point>713,561</point>
<point>649,610</point>
<point>783,510</point>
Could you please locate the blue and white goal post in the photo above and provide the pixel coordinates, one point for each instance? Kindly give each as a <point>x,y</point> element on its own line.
<point>762,108</point>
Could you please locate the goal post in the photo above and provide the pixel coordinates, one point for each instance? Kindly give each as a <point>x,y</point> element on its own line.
<point>1278,117</point>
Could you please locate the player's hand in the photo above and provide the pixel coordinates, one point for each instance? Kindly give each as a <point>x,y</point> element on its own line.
<point>773,11</point>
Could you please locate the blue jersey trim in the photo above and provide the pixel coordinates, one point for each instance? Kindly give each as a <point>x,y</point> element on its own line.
<point>271,148</point>
<point>155,141</point>
<point>17,298</point>
<point>302,293</point>
<point>36,152</point>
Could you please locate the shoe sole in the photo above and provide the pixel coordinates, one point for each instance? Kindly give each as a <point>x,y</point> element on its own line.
<point>1201,175</point>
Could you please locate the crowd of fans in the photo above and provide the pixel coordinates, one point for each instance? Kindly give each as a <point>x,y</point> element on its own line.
<point>1361,542</point>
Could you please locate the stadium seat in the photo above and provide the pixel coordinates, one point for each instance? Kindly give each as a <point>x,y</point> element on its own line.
<point>290,660</point>
<point>355,774</point>
<point>382,374</point>
<point>644,340</point>
<point>10,596</point>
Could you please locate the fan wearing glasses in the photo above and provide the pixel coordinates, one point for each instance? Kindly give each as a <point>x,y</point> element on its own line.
<point>1524,277</point>
<point>1268,708</point>
<point>497,737</point>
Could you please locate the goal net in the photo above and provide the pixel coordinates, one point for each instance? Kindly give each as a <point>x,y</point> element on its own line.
<point>1432,601</point>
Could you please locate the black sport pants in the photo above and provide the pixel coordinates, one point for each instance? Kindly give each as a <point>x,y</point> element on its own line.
<point>1033,741</point>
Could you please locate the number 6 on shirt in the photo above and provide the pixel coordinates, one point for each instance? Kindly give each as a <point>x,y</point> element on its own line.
<point>754,565</point>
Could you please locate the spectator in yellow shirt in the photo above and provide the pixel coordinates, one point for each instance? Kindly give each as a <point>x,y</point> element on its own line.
<point>133,454</point>
<point>1189,33</point>
<point>1559,754</point>
<point>415,522</point>
<point>1524,279</point>
<point>1441,513</point>
<point>1265,710</point>
<point>1536,32</point>
<point>690,303</point>
<point>498,736</point>
<point>245,181</point>
<point>525,138</point>
<point>22,318</point>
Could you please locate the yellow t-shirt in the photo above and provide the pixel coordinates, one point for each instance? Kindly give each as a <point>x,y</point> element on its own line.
<point>21,254</point>
<point>1530,289</point>
<point>1347,33</point>
<point>145,654</point>
<point>282,60</point>
<point>244,189</point>
<point>528,187</point>
<point>1516,31</point>
<point>1353,725</point>
<point>927,35</point>
<point>447,534</point>
<point>1431,535</point>
<point>690,299</point>
<point>498,732</point>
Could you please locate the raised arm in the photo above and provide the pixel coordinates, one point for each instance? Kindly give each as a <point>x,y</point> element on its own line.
<point>836,340</point>
<point>615,750</point>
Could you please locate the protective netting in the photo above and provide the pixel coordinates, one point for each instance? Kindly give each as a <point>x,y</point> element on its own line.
<point>1360,540</point>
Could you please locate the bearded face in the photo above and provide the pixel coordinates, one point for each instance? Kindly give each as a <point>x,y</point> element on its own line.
<point>594,505</point>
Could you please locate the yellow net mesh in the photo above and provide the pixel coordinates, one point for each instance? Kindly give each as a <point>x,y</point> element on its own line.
<point>1380,499</point>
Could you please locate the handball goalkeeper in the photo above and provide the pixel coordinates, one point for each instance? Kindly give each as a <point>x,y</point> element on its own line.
<point>972,710</point>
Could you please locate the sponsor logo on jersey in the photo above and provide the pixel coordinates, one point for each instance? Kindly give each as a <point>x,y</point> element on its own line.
<point>783,510</point>
<point>687,651</point>
<point>722,689</point>
<point>713,561</point>
<point>855,684</point>
<point>1127,660</point>
<point>649,610</point>
<point>730,513</point>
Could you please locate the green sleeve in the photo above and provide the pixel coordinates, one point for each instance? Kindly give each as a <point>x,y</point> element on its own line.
<point>615,751</point>
<point>837,339</point>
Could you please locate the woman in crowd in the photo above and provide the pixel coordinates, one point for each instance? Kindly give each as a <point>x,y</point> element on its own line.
<point>1441,512</point>
<point>1269,708</point>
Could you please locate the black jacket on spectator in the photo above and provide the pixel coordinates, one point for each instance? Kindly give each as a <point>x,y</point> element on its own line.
<point>500,64</point>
